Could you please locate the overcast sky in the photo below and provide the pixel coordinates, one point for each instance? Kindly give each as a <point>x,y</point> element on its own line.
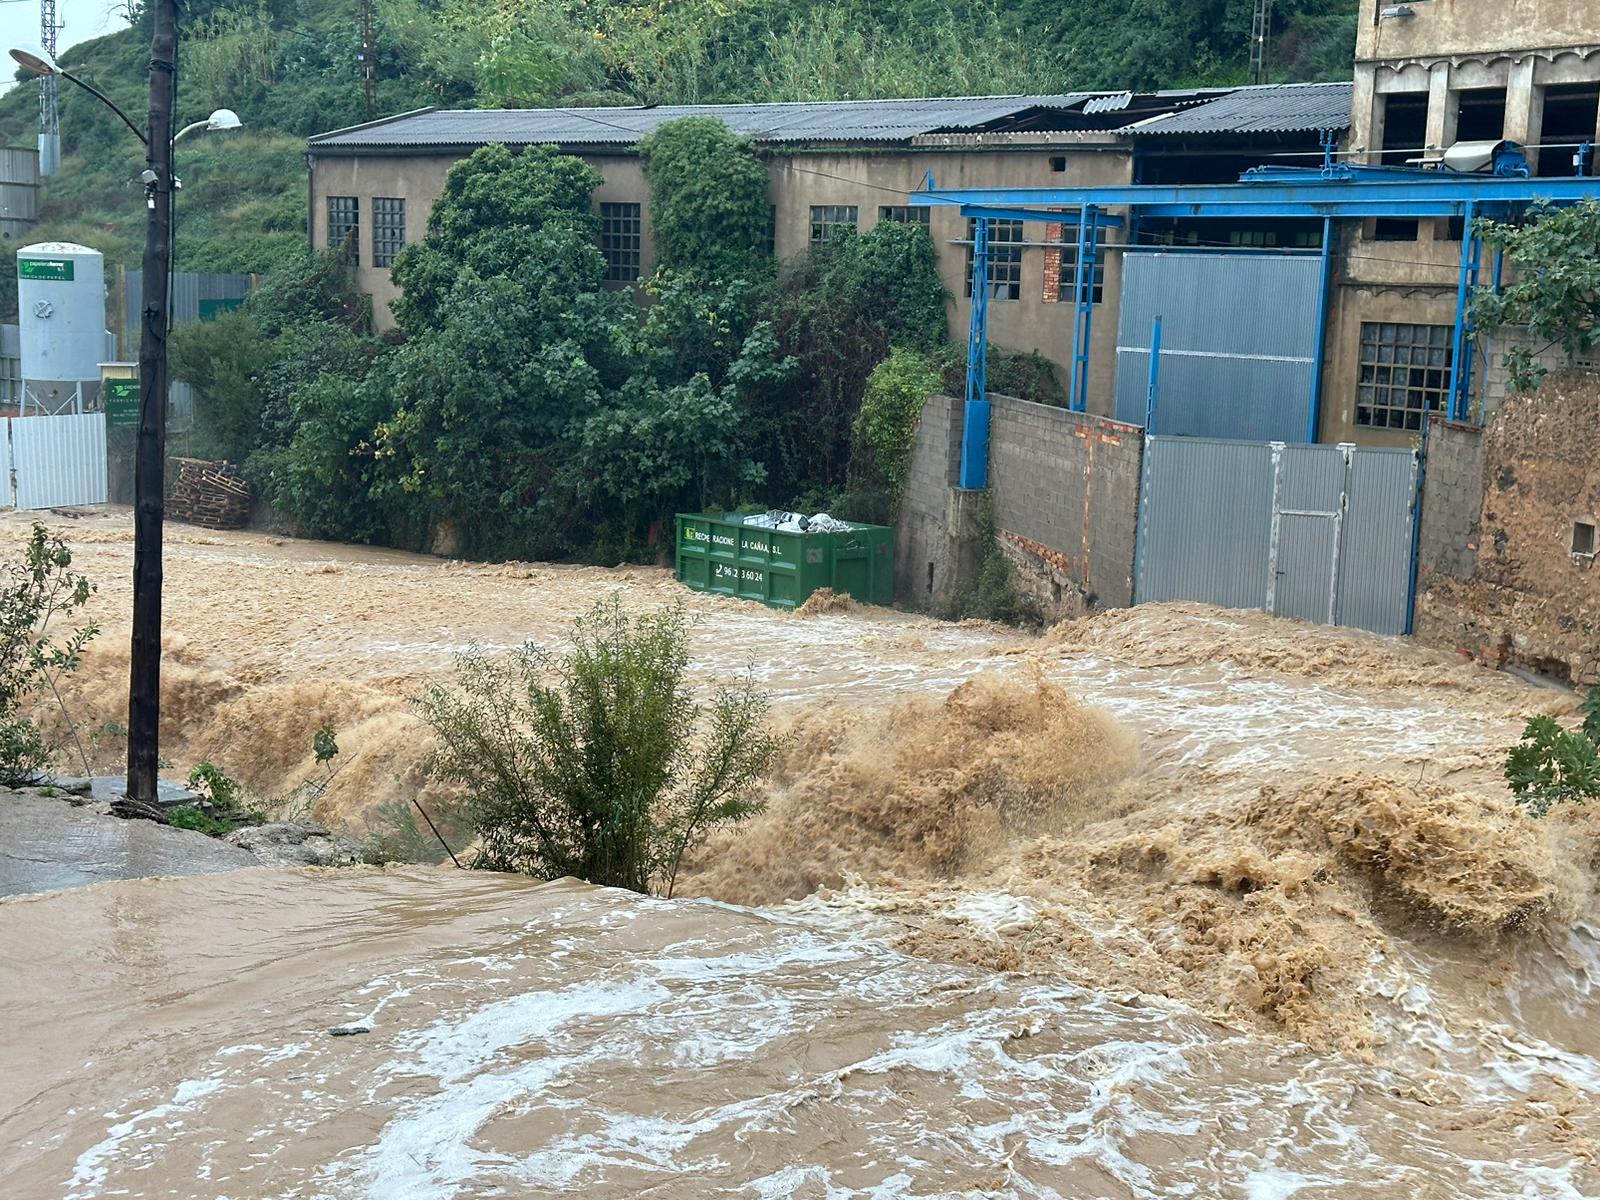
<point>82,20</point>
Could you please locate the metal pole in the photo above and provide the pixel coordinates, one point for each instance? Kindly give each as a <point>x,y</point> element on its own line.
<point>1155,377</point>
<point>1458,354</point>
<point>975,425</point>
<point>1074,399</point>
<point>144,680</point>
<point>1313,424</point>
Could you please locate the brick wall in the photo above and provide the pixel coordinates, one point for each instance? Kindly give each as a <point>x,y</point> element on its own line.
<point>1065,495</point>
<point>1452,497</point>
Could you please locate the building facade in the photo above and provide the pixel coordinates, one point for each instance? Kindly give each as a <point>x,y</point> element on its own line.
<point>851,163</point>
<point>1428,75</point>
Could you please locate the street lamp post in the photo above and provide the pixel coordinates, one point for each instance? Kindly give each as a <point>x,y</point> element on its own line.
<point>144,676</point>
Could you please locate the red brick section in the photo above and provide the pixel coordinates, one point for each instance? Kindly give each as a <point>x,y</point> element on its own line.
<point>1061,562</point>
<point>1052,265</point>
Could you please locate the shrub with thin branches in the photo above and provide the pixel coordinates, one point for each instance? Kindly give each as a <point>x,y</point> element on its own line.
<point>598,763</point>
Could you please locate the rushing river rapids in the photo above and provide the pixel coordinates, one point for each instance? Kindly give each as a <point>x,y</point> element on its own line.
<point>541,1041</point>
<point>1168,903</point>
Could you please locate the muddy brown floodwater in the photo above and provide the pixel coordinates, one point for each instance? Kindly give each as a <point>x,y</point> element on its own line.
<point>1169,902</point>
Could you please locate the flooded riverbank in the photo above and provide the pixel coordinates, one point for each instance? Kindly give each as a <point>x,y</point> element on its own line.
<point>1166,902</point>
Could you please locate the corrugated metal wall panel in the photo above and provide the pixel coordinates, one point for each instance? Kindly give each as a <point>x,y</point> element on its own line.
<point>10,365</point>
<point>1238,343</point>
<point>194,294</point>
<point>1205,521</point>
<point>1374,587</point>
<point>1340,548</point>
<point>59,461</point>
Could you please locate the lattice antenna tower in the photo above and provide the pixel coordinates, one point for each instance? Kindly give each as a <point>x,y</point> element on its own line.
<point>49,114</point>
<point>1260,27</point>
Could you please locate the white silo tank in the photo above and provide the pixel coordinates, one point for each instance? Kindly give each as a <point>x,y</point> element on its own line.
<point>61,308</point>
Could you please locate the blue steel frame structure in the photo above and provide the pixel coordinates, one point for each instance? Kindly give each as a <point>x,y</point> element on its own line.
<point>1331,192</point>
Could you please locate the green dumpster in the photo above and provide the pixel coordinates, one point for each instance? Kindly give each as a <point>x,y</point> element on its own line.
<point>718,552</point>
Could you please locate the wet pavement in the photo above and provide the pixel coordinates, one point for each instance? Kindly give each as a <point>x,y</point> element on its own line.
<point>48,843</point>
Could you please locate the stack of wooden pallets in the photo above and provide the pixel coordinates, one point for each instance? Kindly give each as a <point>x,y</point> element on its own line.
<point>213,495</point>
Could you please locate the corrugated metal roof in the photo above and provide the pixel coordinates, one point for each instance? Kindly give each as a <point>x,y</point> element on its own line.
<point>1274,108</point>
<point>838,121</point>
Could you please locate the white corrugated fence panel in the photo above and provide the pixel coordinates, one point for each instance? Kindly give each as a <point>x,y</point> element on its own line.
<point>58,461</point>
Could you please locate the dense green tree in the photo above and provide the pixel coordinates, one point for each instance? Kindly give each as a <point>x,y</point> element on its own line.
<point>1554,294</point>
<point>708,198</point>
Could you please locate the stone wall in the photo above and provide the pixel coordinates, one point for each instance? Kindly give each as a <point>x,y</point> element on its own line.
<point>1065,490</point>
<point>1529,598</point>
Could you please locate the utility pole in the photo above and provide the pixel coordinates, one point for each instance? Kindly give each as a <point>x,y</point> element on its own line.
<point>369,63</point>
<point>1260,26</point>
<point>49,114</point>
<point>144,677</point>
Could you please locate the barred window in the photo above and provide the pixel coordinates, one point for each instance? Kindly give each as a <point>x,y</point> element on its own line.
<point>620,226</point>
<point>1067,285</point>
<point>1005,258</point>
<point>826,218</point>
<point>388,229</point>
<point>344,225</point>
<point>1405,372</point>
<point>905,214</point>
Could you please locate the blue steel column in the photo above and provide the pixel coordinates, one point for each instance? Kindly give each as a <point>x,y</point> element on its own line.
<point>1083,294</point>
<point>1320,354</point>
<point>975,427</point>
<point>1460,355</point>
<point>1153,391</point>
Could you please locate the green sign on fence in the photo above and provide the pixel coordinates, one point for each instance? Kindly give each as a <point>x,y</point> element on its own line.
<point>45,268</point>
<point>122,402</point>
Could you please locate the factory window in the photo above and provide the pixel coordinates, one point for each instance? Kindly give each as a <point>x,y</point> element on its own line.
<point>1058,163</point>
<point>344,226</point>
<point>388,229</point>
<point>1404,374</point>
<point>1480,115</point>
<point>826,219</point>
<point>1405,128</point>
<point>1571,112</point>
<point>1005,258</point>
<point>904,214</point>
<point>1583,538</point>
<point>1395,229</point>
<point>620,227</point>
<point>1067,287</point>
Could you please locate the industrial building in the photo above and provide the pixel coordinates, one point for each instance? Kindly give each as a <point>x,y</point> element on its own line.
<point>1335,329</point>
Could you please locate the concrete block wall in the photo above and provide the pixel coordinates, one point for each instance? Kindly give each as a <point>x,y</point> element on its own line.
<point>1495,387</point>
<point>924,569</point>
<point>1452,499</point>
<point>1065,499</point>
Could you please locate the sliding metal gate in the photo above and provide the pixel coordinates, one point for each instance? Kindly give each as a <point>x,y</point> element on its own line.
<point>1322,533</point>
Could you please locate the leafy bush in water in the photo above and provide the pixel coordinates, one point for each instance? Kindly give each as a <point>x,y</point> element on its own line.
<point>1552,765</point>
<point>598,764</point>
<point>34,593</point>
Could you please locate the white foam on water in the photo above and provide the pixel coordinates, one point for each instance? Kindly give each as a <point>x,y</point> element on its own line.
<point>89,1173</point>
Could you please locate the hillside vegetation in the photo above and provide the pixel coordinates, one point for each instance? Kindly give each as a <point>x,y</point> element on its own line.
<point>291,68</point>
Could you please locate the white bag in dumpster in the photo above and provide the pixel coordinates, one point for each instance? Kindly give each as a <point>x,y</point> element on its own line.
<point>788,522</point>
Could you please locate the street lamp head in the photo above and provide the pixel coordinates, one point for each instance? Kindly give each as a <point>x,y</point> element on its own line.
<point>34,59</point>
<point>223,118</point>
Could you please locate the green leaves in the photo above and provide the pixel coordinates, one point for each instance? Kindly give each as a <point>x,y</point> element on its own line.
<point>598,763</point>
<point>708,198</point>
<point>34,593</point>
<point>1555,291</point>
<point>1552,765</point>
